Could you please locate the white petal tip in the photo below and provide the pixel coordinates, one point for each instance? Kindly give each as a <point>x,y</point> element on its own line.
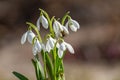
<point>24,37</point>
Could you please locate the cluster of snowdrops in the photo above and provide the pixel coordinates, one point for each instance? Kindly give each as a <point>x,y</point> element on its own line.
<point>52,47</point>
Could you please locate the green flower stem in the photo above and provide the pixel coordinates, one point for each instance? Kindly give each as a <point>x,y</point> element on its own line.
<point>36,30</point>
<point>54,55</point>
<point>63,76</point>
<point>64,17</point>
<point>49,65</point>
<point>45,69</point>
<point>51,28</point>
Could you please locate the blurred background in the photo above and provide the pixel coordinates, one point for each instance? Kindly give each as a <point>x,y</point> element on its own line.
<point>96,44</point>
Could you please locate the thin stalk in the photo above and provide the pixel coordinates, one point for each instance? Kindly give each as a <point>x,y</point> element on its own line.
<point>55,69</point>
<point>64,18</point>
<point>51,27</point>
<point>45,69</point>
<point>63,77</point>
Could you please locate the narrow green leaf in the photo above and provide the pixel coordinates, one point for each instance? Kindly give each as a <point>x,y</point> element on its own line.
<point>38,70</point>
<point>20,76</point>
<point>49,65</point>
<point>34,63</point>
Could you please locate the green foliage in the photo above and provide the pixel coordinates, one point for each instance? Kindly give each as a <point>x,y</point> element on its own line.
<point>20,76</point>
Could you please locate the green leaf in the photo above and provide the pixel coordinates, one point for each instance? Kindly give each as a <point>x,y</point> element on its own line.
<point>38,69</point>
<point>49,65</point>
<point>20,76</point>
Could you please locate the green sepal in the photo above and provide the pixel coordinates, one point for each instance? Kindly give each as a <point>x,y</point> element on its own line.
<point>20,76</point>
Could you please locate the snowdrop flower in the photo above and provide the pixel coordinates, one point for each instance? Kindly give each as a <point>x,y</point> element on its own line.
<point>30,36</point>
<point>34,50</point>
<point>58,28</point>
<point>73,24</point>
<point>50,44</point>
<point>61,49</point>
<point>24,37</point>
<point>63,46</point>
<point>65,30</point>
<point>48,47</point>
<point>37,47</point>
<point>27,35</point>
<point>42,20</point>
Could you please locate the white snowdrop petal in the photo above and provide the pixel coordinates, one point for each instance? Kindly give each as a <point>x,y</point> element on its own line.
<point>38,46</point>
<point>24,37</point>
<point>55,27</point>
<point>31,35</point>
<point>75,23</point>
<point>38,23</point>
<point>65,30</point>
<point>43,46</point>
<point>52,42</point>
<point>48,48</point>
<point>58,34</point>
<point>73,28</point>
<point>34,50</point>
<point>62,46</point>
<point>44,22</point>
<point>60,26</point>
<point>60,53</point>
<point>70,48</point>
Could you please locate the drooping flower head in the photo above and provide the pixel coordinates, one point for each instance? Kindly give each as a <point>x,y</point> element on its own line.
<point>50,43</point>
<point>59,29</point>
<point>29,35</point>
<point>63,46</point>
<point>43,21</point>
<point>73,24</point>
